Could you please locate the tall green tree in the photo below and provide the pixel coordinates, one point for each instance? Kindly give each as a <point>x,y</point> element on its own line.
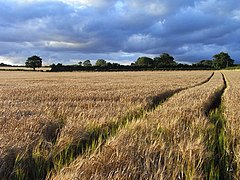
<point>144,61</point>
<point>205,63</point>
<point>222,60</point>
<point>164,60</point>
<point>87,63</point>
<point>101,62</point>
<point>34,62</point>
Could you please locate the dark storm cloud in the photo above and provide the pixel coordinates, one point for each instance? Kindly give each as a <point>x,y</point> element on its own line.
<point>69,30</point>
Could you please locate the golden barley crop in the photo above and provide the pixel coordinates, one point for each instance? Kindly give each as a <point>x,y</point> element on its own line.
<point>231,108</point>
<point>58,110</point>
<point>168,143</point>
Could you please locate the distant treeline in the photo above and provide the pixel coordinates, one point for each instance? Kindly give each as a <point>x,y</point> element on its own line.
<point>59,68</point>
<point>162,62</point>
<point>4,65</point>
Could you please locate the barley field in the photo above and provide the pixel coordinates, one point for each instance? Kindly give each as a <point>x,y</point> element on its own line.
<point>119,125</point>
<point>9,68</point>
<point>232,115</point>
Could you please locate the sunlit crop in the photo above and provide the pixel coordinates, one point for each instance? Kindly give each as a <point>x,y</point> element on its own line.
<point>118,125</point>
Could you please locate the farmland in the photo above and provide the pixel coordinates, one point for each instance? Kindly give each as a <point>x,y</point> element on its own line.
<point>21,68</point>
<point>119,125</point>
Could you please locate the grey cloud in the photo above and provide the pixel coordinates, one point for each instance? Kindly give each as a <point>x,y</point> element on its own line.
<point>189,30</point>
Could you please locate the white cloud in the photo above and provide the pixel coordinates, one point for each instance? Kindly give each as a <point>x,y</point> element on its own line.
<point>140,42</point>
<point>12,60</point>
<point>66,45</point>
<point>236,15</point>
<point>5,60</point>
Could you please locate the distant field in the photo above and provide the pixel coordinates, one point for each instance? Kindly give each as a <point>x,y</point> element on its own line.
<point>24,68</point>
<point>119,125</point>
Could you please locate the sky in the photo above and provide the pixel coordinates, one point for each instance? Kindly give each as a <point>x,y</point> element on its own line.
<point>68,31</point>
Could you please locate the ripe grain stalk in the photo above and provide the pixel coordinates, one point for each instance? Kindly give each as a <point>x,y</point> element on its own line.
<point>168,143</point>
<point>77,98</point>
